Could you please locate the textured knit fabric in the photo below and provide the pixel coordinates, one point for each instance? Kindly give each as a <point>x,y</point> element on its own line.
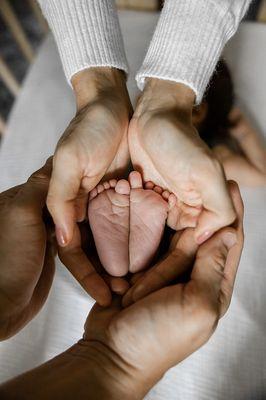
<point>186,44</point>
<point>87,33</point>
<point>189,39</point>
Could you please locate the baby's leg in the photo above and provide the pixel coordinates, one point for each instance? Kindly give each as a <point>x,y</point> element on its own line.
<point>148,214</point>
<point>249,140</point>
<point>238,168</point>
<point>109,220</point>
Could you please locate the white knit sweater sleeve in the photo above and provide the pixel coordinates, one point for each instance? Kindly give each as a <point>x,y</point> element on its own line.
<point>87,33</point>
<point>188,41</point>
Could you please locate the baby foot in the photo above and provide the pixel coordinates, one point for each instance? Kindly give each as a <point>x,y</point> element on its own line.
<point>108,214</point>
<point>148,213</point>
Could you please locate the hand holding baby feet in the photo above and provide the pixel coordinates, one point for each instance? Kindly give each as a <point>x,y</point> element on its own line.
<point>127,222</point>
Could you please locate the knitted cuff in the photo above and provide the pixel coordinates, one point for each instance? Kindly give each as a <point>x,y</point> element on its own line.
<point>87,34</point>
<point>188,41</point>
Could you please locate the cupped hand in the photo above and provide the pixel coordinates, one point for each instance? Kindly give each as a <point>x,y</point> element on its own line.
<point>167,150</point>
<point>94,145</point>
<point>181,254</point>
<point>160,329</point>
<point>27,252</point>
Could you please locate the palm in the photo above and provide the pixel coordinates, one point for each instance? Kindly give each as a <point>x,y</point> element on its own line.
<point>166,326</point>
<point>96,138</point>
<point>170,153</point>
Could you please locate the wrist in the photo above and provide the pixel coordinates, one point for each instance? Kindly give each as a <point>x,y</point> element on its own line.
<point>95,83</point>
<point>160,95</point>
<point>110,376</point>
<point>88,370</point>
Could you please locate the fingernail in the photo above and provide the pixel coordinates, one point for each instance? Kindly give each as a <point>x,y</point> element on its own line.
<point>229,239</point>
<point>61,236</point>
<point>205,236</point>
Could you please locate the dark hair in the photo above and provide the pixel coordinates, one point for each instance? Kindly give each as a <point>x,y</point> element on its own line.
<point>220,99</point>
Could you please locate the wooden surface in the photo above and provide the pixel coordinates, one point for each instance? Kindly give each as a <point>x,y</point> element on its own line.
<point>149,5</point>
<point>262,13</point>
<point>16,29</point>
<point>8,78</point>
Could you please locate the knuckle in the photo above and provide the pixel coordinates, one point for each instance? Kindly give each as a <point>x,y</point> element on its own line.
<point>39,177</point>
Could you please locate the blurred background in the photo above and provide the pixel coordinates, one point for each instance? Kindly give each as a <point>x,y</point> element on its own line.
<point>22,28</point>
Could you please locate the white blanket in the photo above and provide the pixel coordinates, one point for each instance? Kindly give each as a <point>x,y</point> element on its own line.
<point>232,365</point>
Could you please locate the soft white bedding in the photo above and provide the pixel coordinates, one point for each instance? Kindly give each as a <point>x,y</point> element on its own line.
<point>233,364</point>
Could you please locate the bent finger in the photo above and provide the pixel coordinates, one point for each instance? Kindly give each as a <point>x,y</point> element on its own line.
<point>218,259</point>
<point>63,191</point>
<point>218,208</point>
<point>76,261</point>
<point>166,271</point>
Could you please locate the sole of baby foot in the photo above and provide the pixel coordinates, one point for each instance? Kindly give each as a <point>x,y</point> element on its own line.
<point>108,214</point>
<point>148,214</point>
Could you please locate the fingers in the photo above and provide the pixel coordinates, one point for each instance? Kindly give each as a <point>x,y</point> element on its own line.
<point>34,192</point>
<point>218,209</point>
<point>63,191</point>
<point>217,260</point>
<point>117,285</point>
<point>173,266</point>
<point>76,261</point>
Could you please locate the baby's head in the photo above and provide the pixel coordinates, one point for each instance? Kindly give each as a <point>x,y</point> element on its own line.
<point>211,117</point>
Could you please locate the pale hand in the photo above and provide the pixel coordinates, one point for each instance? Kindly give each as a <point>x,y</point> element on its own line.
<point>93,146</point>
<point>167,150</point>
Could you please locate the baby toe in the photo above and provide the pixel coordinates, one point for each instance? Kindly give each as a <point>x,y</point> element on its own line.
<point>113,183</point>
<point>122,187</point>
<point>172,200</point>
<point>158,189</point>
<point>135,180</point>
<point>106,185</point>
<point>100,188</point>
<point>93,194</point>
<point>149,185</point>
<point>165,195</point>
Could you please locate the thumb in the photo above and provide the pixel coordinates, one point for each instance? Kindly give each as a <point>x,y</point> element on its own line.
<point>62,194</point>
<point>210,272</point>
<point>34,192</point>
<point>218,209</point>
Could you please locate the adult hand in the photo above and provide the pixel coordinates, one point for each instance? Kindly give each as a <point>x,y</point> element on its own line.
<point>159,330</point>
<point>181,254</point>
<point>94,145</point>
<point>26,251</point>
<point>124,352</point>
<point>167,150</point>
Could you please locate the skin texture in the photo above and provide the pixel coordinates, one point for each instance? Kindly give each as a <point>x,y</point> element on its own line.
<point>247,164</point>
<point>26,274</point>
<point>166,149</point>
<point>248,168</point>
<point>127,223</point>
<point>94,145</point>
<point>125,351</point>
<point>182,249</point>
